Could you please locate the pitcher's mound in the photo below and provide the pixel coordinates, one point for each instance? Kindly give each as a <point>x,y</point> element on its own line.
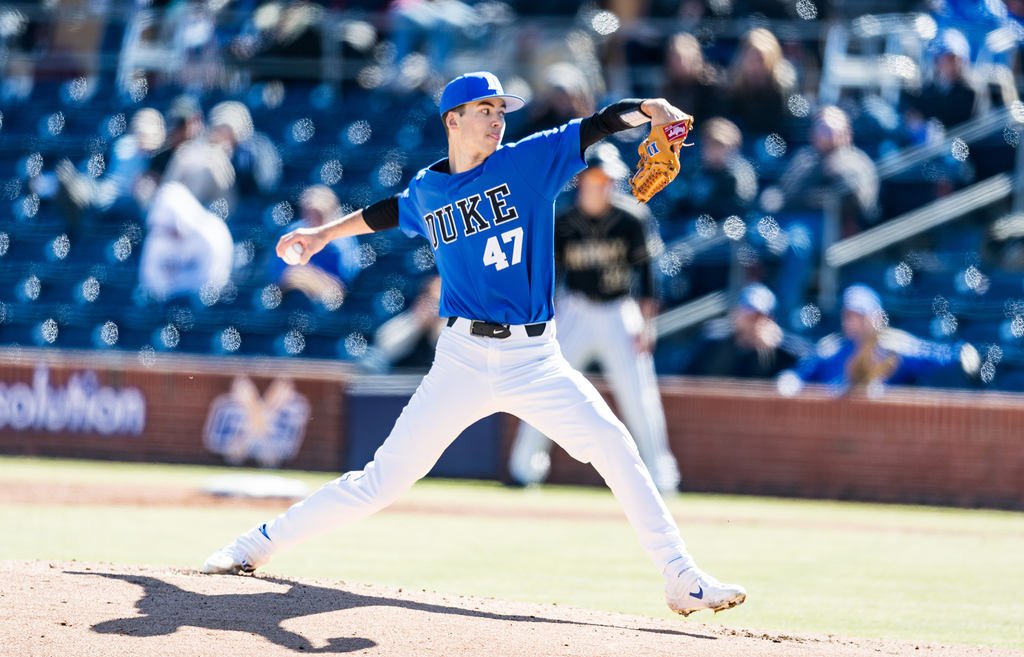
<point>75,608</point>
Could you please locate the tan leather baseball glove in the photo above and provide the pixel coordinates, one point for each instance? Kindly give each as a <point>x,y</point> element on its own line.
<point>659,158</point>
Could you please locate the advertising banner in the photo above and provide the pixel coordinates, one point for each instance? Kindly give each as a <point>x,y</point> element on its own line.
<point>178,409</point>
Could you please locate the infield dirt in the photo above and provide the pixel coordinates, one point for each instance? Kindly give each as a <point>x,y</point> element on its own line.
<point>76,608</point>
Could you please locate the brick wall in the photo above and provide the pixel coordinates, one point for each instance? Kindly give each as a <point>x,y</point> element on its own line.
<point>914,445</point>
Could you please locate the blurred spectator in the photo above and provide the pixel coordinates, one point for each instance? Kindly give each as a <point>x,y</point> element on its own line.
<point>748,343</point>
<point>203,165</point>
<point>830,169</point>
<point>724,184</point>
<point>120,190</point>
<point>297,32</point>
<point>947,97</point>
<point>811,176</point>
<point>432,23</point>
<point>188,250</point>
<point>184,123</point>
<point>325,279</point>
<point>984,14</point>
<point>191,29</point>
<point>568,96</point>
<point>130,159</point>
<point>757,86</point>
<point>689,80</point>
<point>277,29</point>
<point>869,355</point>
<point>407,340</point>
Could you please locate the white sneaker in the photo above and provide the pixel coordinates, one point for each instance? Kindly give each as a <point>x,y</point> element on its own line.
<point>243,555</point>
<point>693,590</point>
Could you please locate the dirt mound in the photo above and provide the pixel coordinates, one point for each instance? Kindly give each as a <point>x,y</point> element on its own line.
<point>75,608</point>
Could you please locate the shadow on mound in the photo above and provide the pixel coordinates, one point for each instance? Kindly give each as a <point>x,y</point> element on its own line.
<point>167,608</point>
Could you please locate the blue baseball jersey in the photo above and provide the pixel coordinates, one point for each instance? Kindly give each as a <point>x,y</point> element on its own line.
<point>492,228</point>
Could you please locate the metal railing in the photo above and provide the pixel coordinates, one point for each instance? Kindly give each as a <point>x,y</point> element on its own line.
<point>692,313</point>
<point>837,253</point>
<point>920,220</point>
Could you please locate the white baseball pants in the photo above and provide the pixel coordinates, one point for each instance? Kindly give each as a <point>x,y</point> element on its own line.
<point>606,332</point>
<point>471,378</point>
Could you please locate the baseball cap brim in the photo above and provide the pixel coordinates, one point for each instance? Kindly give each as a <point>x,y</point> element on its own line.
<point>512,103</point>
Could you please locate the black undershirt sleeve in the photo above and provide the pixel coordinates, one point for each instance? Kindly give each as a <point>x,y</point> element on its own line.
<point>617,117</point>
<point>382,215</point>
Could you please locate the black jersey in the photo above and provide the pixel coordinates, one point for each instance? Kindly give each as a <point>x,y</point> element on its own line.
<point>602,257</point>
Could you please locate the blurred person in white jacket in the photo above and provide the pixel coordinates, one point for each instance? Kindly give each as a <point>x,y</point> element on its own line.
<point>187,247</point>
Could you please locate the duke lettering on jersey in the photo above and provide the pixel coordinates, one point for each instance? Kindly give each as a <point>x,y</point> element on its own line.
<point>472,220</point>
<point>492,227</point>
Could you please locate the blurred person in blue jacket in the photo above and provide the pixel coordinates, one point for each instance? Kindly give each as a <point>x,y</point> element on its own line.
<point>871,355</point>
<point>120,190</point>
<point>325,279</point>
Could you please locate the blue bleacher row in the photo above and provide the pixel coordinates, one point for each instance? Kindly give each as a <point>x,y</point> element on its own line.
<point>96,244</point>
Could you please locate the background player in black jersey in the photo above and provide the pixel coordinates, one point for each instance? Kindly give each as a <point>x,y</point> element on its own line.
<point>604,246</point>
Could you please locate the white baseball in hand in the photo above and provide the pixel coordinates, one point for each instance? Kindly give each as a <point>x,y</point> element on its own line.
<point>293,254</point>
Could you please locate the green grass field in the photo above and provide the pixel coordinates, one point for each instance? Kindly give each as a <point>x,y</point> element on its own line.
<point>914,573</point>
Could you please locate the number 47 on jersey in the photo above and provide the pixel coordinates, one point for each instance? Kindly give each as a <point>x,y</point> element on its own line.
<point>494,255</point>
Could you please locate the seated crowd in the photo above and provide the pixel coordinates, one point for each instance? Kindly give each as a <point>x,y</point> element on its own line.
<point>211,191</point>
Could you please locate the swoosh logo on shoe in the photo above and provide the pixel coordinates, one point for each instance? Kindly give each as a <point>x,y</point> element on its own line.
<point>700,594</point>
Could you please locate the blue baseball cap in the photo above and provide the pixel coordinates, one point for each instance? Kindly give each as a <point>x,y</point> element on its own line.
<point>472,87</point>
<point>862,299</point>
<point>952,41</point>
<point>757,298</point>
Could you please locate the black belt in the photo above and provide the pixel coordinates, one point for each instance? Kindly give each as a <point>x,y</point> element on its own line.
<point>500,331</point>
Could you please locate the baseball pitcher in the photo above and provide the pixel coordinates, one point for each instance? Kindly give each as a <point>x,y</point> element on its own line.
<point>488,212</point>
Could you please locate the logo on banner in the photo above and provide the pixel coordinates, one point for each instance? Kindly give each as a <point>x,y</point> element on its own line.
<point>82,406</point>
<point>269,429</point>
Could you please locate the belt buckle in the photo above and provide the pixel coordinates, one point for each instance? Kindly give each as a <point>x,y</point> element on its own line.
<point>488,330</point>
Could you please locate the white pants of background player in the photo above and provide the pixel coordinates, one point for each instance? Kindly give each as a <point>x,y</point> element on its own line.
<point>589,330</point>
<point>471,378</point>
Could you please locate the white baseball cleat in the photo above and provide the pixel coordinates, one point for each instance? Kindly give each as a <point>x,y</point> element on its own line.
<point>693,590</point>
<point>243,555</point>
